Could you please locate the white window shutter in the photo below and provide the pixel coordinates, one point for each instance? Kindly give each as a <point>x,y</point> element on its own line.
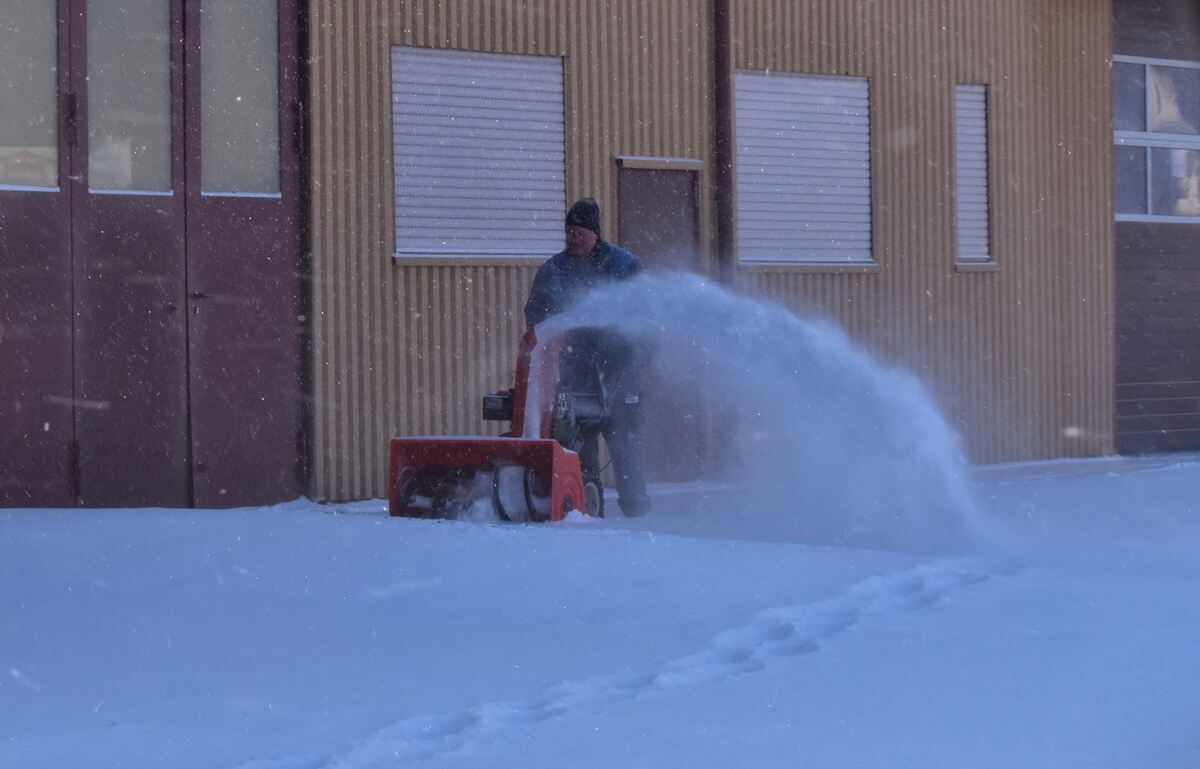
<point>971,173</point>
<point>803,168</point>
<point>479,148</point>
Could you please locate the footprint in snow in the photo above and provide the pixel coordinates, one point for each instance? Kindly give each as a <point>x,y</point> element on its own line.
<point>770,635</point>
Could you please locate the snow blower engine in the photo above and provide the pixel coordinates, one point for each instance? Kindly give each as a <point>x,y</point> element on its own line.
<point>532,472</point>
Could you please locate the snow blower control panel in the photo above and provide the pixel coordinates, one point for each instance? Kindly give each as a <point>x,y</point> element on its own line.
<point>498,407</point>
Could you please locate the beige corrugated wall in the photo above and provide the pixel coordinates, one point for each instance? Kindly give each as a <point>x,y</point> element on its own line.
<point>1021,357</point>
<point>411,348</point>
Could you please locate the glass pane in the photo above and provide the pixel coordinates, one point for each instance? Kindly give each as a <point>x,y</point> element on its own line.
<point>1129,96</point>
<point>28,93</point>
<point>129,95</point>
<point>239,124</point>
<point>1175,182</point>
<point>1130,182</point>
<point>1174,100</point>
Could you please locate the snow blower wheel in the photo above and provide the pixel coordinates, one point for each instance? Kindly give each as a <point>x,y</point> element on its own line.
<point>593,497</point>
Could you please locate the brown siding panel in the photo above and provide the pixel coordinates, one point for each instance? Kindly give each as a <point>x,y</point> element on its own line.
<point>1160,29</point>
<point>1158,336</point>
<point>1157,272</point>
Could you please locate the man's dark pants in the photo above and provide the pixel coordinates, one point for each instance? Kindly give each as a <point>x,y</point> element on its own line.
<point>618,363</point>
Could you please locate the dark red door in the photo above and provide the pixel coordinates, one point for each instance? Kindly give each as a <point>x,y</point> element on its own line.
<point>151,320</point>
<point>128,222</point>
<point>243,253</point>
<point>36,389</point>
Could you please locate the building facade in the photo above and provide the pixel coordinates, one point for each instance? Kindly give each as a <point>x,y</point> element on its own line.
<point>245,243</point>
<point>1156,124</point>
<point>965,148</point>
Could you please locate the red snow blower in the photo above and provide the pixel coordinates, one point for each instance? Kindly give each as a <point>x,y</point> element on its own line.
<point>531,473</point>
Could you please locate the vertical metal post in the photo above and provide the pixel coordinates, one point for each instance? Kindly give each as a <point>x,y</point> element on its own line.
<point>724,201</point>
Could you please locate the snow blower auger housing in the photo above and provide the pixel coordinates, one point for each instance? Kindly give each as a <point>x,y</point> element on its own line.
<point>532,473</point>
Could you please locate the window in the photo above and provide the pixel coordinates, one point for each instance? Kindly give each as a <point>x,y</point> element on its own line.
<point>129,98</point>
<point>803,169</point>
<point>480,157</point>
<point>28,91</point>
<point>1156,117</point>
<point>971,173</point>
<point>239,104</point>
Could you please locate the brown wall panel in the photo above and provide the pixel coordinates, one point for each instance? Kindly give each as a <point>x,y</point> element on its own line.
<point>1157,272</point>
<point>1021,358</point>
<point>1158,349</point>
<point>1159,29</point>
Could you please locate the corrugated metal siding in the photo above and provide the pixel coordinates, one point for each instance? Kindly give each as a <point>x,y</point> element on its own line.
<point>353,321</point>
<point>1020,357</point>
<point>411,347</point>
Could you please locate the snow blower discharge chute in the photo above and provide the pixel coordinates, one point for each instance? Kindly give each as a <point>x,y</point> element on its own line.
<point>531,473</point>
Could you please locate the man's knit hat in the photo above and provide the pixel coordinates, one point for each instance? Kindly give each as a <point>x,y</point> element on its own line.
<point>585,213</point>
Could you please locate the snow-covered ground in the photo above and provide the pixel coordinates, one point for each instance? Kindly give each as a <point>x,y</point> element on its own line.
<point>1065,633</point>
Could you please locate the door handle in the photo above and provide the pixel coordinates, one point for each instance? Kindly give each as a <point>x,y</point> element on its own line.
<point>197,295</point>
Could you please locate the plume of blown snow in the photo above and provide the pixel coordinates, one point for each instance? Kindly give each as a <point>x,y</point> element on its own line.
<point>834,447</point>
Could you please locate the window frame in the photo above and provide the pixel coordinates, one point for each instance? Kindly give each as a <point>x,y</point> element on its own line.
<point>1152,140</point>
<point>426,254</point>
<point>987,259</point>
<point>819,261</point>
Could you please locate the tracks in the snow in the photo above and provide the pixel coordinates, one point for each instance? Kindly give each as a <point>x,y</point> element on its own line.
<point>771,635</point>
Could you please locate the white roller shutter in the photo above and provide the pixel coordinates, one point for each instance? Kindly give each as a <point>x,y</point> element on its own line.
<point>803,168</point>
<point>479,146</point>
<point>971,172</point>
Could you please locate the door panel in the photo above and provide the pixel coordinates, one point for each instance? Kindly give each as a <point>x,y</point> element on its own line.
<point>245,342</point>
<point>35,347</point>
<point>658,218</point>
<point>36,391</point>
<point>150,317</point>
<point>128,219</point>
<point>246,331</point>
<point>130,348</point>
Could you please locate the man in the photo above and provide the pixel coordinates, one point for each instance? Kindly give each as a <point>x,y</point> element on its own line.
<point>589,261</point>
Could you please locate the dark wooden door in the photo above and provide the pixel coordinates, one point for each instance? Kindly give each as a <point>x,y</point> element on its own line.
<point>150,323</point>
<point>127,233</point>
<point>36,389</point>
<point>246,323</point>
<point>658,221</point>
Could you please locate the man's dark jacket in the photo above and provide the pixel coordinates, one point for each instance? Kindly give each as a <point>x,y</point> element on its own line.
<point>564,278</point>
